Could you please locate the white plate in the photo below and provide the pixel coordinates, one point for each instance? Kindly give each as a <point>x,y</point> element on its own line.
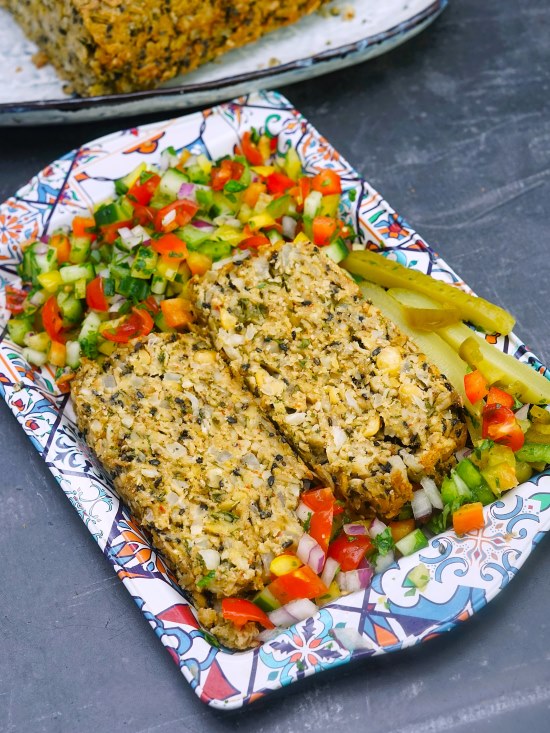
<point>316,45</point>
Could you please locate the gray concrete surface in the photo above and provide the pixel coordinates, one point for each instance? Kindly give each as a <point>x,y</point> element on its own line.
<point>454,129</point>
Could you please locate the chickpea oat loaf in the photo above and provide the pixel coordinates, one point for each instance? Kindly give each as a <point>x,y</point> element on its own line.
<point>200,467</point>
<point>352,394</point>
<point>115,46</point>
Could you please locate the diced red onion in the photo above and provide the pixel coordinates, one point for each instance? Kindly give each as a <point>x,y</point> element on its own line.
<point>383,562</point>
<point>40,249</point>
<point>354,580</point>
<point>293,612</point>
<point>204,225</point>
<point>355,530</point>
<point>289,227</point>
<point>311,553</point>
<point>523,412</point>
<point>45,238</point>
<point>432,492</point>
<point>116,303</point>
<point>187,191</point>
<point>376,527</point>
<point>421,505</point>
<point>303,512</point>
<point>330,570</point>
<point>364,563</point>
<point>462,453</point>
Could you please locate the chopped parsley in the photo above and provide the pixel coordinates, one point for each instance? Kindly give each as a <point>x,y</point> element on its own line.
<point>384,542</point>
<point>206,579</point>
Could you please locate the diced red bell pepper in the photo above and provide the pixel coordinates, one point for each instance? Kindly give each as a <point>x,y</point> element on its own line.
<point>170,244</point>
<point>300,583</point>
<point>498,396</point>
<point>253,242</point>
<point>500,425</point>
<point>142,193</point>
<point>95,297</point>
<point>239,612</point>
<point>51,318</point>
<point>15,299</point>
<point>475,386</point>
<point>324,229</point>
<point>349,551</point>
<point>327,182</point>
<point>183,211</point>
<point>278,183</point>
<point>251,150</point>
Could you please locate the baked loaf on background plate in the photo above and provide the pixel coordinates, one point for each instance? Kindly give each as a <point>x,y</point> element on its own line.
<point>114,46</point>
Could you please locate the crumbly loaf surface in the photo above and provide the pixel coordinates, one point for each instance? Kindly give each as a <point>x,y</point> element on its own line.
<point>351,393</point>
<point>117,46</point>
<point>200,467</point>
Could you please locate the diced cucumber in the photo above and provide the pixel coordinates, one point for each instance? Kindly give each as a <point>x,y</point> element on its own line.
<point>119,271</point>
<point>18,328</point>
<point>119,210</point>
<point>337,251</point>
<point>133,287</point>
<point>419,576</point>
<point>108,286</point>
<point>170,184</point>
<point>279,207</point>
<point>45,262</point>
<point>451,492</point>
<point>71,308</point>
<point>222,205</point>
<point>89,345</point>
<point>412,542</point>
<point>80,249</point>
<point>205,198</point>
<point>80,289</point>
<point>144,263</point>
<point>292,164</point>
<point>192,236</point>
<point>73,354</point>
<point>72,273</point>
<point>266,600</point>
<point>216,250</point>
<point>124,184</point>
<point>196,174</point>
<point>158,284</point>
<point>312,204</point>
<point>474,480</point>
<point>90,325</point>
<point>38,341</point>
<point>38,358</point>
<point>274,236</point>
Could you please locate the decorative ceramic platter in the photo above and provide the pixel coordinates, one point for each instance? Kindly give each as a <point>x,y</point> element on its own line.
<point>465,572</point>
<point>348,32</point>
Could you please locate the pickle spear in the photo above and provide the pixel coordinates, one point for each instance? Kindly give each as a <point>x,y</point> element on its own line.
<point>516,377</point>
<point>391,274</point>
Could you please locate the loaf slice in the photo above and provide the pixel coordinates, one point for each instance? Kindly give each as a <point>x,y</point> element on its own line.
<point>113,46</point>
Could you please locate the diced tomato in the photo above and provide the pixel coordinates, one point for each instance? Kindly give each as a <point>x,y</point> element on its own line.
<point>250,150</point>
<point>349,551</point>
<point>318,499</point>
<point>475,386</point>
<point>109,232</point>
<point>300,583</point>
<point>273,143</point>
<point>229,170</point>
<point>170,244</point>
<point>95,297</point>
<point>240,612</point>
<point>142,193</point>
<point>253,242</point>
<point>83,226</point>
<point>498,396</point>
<point>51,318</point>
<point>177,312</point>
<point>305,188</point>
<point>401,528</point>
<point>140,323</point>
<point>500,425</point>
<point>175,215</point>
<point>324,229</point>
<point>15,299</point>
<point>327,182</point>
<point>278,182</point>
<point>151,304</point>
<point>63,246</point>
<point>320,527</point>
<point>144,215</point>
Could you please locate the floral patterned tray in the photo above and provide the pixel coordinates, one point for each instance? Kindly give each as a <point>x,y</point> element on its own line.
<point>465,572</point>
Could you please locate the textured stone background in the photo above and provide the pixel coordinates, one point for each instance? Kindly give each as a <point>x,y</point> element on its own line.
<point>454,130</point>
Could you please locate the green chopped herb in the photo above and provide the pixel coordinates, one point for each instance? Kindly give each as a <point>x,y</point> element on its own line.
<point>206,579</point>
<point>384,542</point>
<point>307,523</point>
